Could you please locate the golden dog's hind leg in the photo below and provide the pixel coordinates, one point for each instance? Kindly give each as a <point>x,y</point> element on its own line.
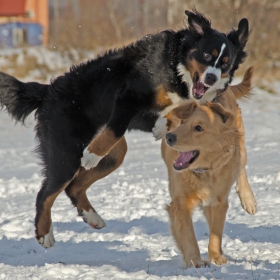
<point>243,188</point>
<point>216,216</point>
<point>76,191</point>
<point>183,232</point>
<point>245,193</point>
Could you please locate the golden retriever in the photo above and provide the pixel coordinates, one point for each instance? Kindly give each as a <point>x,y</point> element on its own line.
<point>204,153</point>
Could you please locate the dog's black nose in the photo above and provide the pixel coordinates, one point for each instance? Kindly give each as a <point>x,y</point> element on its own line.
<point>210,79</point>
<point>170,138</point>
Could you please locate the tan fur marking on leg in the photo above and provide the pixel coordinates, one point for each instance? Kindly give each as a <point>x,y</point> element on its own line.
<point>45,220</point>
<point>86,178</point>
<point>162,99</point>
<point>103,143</point>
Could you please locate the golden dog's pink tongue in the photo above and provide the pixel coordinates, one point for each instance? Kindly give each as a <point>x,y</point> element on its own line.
<point>183,158</point>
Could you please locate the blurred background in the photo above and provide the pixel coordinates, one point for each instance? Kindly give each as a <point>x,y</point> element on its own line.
<point>41,39</point>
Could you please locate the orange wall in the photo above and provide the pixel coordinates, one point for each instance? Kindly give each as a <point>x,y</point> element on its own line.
<point>38,12</point>
<point>38,9</point>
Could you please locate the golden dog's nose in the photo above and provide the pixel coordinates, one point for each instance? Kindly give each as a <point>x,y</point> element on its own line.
<point>170,138</point>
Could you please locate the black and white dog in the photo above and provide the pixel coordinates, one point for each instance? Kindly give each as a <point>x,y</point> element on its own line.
<point>83,114</point>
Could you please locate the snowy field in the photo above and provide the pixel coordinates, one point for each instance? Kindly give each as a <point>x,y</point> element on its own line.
<point>137,244</point>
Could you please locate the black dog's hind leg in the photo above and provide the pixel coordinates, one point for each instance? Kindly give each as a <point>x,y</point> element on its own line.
<point>124,110</point>
<point>61,168</point>
<point>76,190</point>
<point>45,199</point>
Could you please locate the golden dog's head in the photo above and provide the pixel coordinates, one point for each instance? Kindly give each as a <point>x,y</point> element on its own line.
<point>202,134</point>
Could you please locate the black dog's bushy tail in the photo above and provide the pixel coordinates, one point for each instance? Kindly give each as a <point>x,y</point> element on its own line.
<point>18,98</point>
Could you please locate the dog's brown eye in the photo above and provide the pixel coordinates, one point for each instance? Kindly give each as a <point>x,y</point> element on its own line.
<point>207,56</point>
<point>225,66</point>
<point>181,122</point>
<point>198,128</point>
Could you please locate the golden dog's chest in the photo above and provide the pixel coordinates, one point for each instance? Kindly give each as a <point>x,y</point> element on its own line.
<point>198,197</point>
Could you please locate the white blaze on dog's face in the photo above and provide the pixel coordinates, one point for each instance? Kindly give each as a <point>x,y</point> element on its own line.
<point>209,58</point>
<point>200,137</point>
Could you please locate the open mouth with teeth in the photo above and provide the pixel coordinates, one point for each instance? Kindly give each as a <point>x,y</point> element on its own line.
<point>184,159</point>
<point>199,88</point>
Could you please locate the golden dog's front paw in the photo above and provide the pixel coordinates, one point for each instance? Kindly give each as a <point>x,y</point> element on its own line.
<point>197,263</point>
<point>219,260</point>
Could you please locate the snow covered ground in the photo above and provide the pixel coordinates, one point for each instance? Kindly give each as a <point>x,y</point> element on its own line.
<point>137,244</point>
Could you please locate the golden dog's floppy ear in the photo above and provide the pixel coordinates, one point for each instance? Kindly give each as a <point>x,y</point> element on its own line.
<point>226,116</point>
<point>175,116</point>
<point>184,111</point>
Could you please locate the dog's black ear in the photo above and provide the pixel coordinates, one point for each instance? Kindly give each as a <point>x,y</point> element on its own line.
<point>240,36</point>
<point>198,23</point>
<point>184,111</point>
<point>226,116</point>
<point>243,32</point>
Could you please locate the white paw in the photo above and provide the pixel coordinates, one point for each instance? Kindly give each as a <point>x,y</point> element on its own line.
<point>48,240</point>
<point>160,128</point>
<point>93,219</point>
<point>89,160</point>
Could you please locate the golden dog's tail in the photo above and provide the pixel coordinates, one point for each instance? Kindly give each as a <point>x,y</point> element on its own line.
<point>243,89</point>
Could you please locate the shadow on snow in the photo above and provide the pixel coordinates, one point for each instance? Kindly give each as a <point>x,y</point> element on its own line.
<point>27,252</point>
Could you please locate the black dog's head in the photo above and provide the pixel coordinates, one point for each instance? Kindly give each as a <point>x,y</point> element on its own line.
<point>209,58</point>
